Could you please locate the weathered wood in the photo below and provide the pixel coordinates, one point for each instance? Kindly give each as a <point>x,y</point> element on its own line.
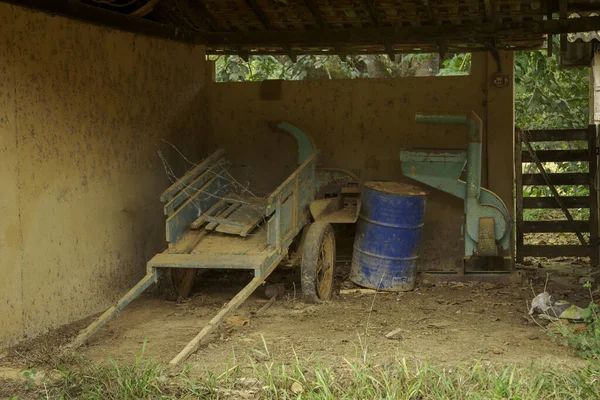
<point>593,171</point>
<point>202,219</point>
<point>179,222</point>
<point>266,306</point>
<point>287,186</point>
<point>557,155</point>
<point>191,189</point>
<point>553,189</point>
<point>518,196</point>
<point>191,175</point>
<point>220,217</point>
<point>187,242</point>
<point>550,202</point>
<point>396,34</point>
<point>208,261</point>
<point>557,135</point>
<point>316,12</point>
<point>555,226</point>
<point>109,314</point>
<point>556,251</point>
<point>249,216</point>
<point>557,179</point>
<point>224,313</point>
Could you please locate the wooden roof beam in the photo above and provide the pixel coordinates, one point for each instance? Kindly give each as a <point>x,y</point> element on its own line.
<point>264,20</point>
<point>260,14</point>
<point>376,21</point>
<point>399,35</point>
<point>316,13</point>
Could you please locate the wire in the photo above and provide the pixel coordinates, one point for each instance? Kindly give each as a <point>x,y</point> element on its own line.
<point>112,3</point>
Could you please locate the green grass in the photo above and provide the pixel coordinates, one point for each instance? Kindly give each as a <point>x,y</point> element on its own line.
<point>272,380</point>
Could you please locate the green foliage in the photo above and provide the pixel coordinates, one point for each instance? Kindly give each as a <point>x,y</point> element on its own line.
<point>260,67</point>
<point>355,380</point>
<point>585,341</point>
<point>30,378</point>
<point>547,97</point>
<point>458,64</point>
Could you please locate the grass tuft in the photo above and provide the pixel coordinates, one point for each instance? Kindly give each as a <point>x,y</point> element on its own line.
<point>268,379</point>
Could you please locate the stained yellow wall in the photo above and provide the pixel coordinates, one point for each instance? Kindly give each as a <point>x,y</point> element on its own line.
<point>363,124</point>
<point>83,110</point>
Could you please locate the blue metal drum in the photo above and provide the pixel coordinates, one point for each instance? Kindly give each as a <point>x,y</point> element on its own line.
<point>388,236</point>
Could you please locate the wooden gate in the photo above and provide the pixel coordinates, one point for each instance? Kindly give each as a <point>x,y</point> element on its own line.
<point>525,153</point>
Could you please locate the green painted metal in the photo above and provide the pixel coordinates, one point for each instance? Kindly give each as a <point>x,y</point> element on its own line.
<point>305,144</point>
<point>442,170</point>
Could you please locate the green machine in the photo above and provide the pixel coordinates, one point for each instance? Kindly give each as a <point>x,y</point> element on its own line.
<point>486,229</point>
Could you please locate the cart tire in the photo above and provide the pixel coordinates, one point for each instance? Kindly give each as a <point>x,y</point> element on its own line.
<point>318,262</point>
<point>176,283</point>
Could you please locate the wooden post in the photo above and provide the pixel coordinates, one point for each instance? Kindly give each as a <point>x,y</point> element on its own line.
<point>593,169</point>
<point>519,195</point>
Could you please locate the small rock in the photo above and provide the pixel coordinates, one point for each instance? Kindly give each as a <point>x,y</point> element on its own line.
<point>533,336</point>
<point>296,388</point>
<point>395,334</point>
<point>497,350</point>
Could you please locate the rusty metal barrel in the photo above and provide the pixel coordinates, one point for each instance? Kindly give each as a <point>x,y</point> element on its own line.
<point>388,236</point>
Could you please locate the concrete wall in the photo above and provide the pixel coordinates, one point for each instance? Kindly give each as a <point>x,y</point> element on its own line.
<point>82,111</point>
<point>363,124</point>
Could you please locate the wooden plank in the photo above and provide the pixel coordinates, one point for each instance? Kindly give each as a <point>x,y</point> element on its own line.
<point>593,171</point>
<point>394,34</point>
<point>221,216</point>
<point>179,222</point>
<point>557,179</point>
<point>247,215</point>
<point>550,184</point>
<point>208,260</point>
<point>189,190</point>
<point>288,185</point>
<point>518,196</point>
<point>361,36</point>
<point>555,226</point>
<point>195,343</point>
<point>557,155</point>
<point>556,251</point>
<point>201,219</point>
<point>550,202</point>
<point>316,13</point>
<point>557,135</point>
<point>191,175</point>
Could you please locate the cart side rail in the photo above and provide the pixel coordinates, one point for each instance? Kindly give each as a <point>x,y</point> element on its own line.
<point>194,194</point>
<point>288,204</point>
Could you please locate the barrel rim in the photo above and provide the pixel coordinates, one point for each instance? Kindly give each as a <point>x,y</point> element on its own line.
<point>420,192</point>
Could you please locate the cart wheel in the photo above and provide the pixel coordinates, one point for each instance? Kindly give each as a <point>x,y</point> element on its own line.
<point>176,283</point>
<point>318,262</point>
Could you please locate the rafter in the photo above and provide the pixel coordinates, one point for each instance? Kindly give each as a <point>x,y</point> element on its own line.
<point>260,14</point>
<point>468,34</point>
<point>402,35</point>
<point>316,13</point>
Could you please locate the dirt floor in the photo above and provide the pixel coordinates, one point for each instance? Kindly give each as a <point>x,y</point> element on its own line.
<point>442,323</point>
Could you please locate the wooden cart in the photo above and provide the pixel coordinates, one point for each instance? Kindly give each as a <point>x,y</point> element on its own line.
<point>209,227</point>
